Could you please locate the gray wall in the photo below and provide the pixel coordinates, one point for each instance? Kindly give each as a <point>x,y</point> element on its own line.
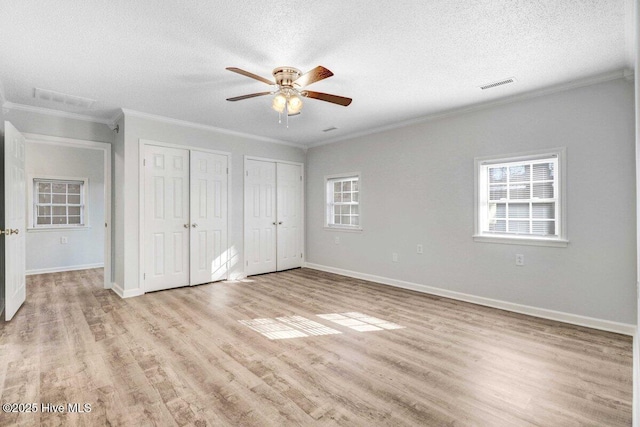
<point>127,196</point>
<point>418,187</point>
<point>85,245</point>
<point>2,273</point>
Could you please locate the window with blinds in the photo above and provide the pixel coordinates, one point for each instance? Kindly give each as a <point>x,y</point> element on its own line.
<point>520,197</point>
<point>343,201</point>
<point>58,203</point>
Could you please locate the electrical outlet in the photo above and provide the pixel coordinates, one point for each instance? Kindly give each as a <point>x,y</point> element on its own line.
<point>336,240</point>
<point>519,260</point>
<point>419,249</point>
<point>64,240</point>
<point>394,257</point>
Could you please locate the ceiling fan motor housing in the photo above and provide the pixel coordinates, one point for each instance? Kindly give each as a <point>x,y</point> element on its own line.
<point>285,76</point>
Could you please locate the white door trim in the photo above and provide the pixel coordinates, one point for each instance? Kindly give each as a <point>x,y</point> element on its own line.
<point>302,205</point>
<point>105,147</point>
<point>141,144</point>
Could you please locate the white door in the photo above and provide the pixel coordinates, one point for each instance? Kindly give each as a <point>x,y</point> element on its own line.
<point>209,253</point>
<point>289,214</point>
<point>166,218</point>
<point>15,222</point>
<point>260,216</point>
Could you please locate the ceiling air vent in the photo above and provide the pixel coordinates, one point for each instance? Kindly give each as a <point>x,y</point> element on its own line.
<point>329,129</point>
<point>62,98</point>
<point>499,83</point>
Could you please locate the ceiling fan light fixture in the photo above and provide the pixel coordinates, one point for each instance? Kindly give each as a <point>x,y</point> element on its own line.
<point>294,104</point>
<point>279,102</point>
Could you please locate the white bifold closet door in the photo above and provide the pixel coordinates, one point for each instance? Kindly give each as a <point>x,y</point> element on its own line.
<point>185,217</point>
<point>273,216</point>
<point>208,217</point>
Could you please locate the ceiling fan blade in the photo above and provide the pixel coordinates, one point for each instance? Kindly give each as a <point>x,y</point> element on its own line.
<point>340,100</point>
<point>251,95</point>
<point>248,74</point>
<point>315,75</point>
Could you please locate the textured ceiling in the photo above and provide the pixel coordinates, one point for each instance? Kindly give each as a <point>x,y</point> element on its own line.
<point>398,60</point>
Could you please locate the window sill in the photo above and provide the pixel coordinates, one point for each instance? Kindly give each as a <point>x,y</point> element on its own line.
<point>348,230</point>
<point>62,228</point>
<point>513,240</point>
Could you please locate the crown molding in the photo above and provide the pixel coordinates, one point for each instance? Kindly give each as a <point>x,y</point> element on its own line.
<point>56,113</point>
<point>200,126</point>
<point>117,116</point>
<point>600,78</point>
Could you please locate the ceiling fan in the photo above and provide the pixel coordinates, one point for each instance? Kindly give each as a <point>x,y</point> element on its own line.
<point>290,88</point>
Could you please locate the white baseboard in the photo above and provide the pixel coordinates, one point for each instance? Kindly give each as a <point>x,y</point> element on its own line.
<point>590,322</point>
<point>129,293</point>
<point>61,269</point>
<point>636,379</point>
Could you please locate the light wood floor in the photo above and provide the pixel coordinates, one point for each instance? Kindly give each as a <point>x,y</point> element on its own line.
<point>181,357</point>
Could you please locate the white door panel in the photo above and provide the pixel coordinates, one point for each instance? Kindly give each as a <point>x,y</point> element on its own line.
<point>260,216</point>
<point>209,255</point>
<point>166,218</point>
<point>289,240</point>
<point>273,216</point>
<point>15,221</point>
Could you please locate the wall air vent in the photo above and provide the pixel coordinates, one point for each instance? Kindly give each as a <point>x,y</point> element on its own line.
<point>498,83</point>
<point>62,98</point>
<point>329,129</point>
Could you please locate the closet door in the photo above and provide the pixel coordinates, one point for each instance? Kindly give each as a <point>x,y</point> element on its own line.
<point>260,216</point>
<point>289,213</point>
<point>166,217</point>
<point>208,217</point>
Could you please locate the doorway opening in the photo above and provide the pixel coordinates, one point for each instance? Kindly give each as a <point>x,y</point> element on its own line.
<point>68,203</point>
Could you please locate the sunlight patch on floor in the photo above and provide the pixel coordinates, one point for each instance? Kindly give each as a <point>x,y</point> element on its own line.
<point>308,326</point>
<point>360,322</point>
<point>273,329</point>
<point>288,327</point>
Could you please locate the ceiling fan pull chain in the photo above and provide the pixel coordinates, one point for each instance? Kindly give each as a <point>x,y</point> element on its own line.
<point>286,112</point>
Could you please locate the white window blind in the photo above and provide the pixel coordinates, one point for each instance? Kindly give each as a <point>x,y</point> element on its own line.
<point>343,202</point>
<point>523,198</point>
<point>520,198</point>
<point>58,203</point>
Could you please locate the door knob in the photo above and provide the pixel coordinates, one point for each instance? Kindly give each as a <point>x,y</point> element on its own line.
<point>280,223</point>
<point>16,231</point>
<point>274,223</point>
<point>194,225</point>
<point>9,231</point>
<point>185,225</point>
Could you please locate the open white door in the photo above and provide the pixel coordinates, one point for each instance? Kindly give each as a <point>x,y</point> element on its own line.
<point>15,222</point>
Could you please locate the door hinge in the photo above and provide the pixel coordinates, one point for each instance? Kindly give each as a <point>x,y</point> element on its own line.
<point>105,225</point>
<point>144,162</point>
<point>300,254</point>
<point>247,173</point>
<point>144,276</point>
<point>300,177</point>
<point>227,171</point>
<point>247,264</point>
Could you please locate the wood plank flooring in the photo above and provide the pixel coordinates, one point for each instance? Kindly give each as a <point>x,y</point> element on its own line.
<point>181,357</point>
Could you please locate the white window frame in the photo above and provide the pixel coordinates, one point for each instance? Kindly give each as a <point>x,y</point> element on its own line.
<point>481,199</point>
<point>84,210</point>
<point>329,203</point>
